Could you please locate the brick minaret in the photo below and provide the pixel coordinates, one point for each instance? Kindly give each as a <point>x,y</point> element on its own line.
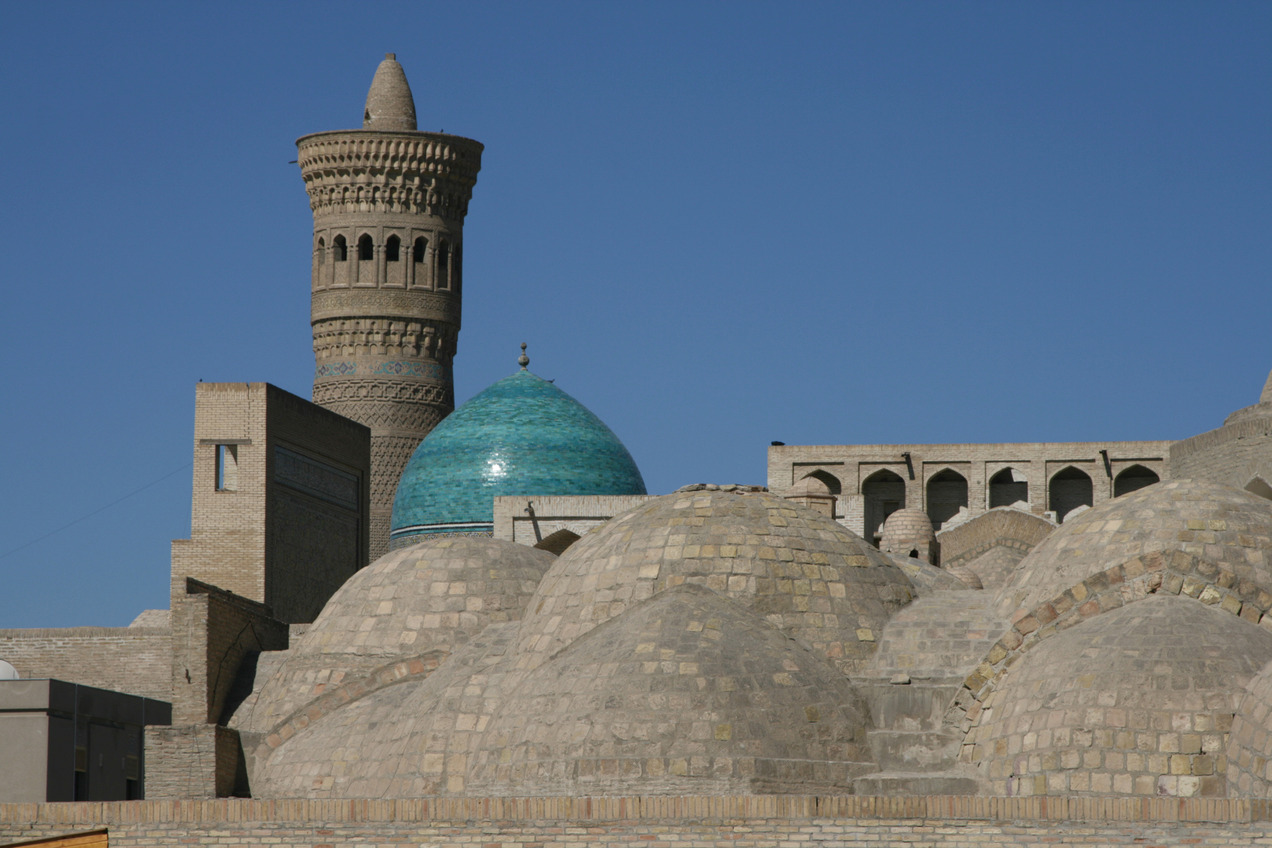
<point>389,205</point>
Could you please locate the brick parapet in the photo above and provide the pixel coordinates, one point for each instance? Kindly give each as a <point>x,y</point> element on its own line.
<point>659,822</point>
<point>133,660</point>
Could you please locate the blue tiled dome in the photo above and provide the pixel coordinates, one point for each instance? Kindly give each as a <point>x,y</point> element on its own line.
<point>521,436</point>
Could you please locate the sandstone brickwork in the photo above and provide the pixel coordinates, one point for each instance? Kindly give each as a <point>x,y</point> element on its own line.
<point>133,660</point>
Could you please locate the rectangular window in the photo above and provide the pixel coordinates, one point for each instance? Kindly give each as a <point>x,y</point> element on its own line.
<point>227,468</point>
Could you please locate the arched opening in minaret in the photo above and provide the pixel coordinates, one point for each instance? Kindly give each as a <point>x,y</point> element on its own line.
<point>321,252</point>
<point>340,248</point>
<point>366,248</point>
<point>443,264</point>
<point>392,248</point>
<point>456,271</point>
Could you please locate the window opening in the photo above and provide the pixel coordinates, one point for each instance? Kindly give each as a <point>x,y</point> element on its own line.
<point>391,249</point>
<point>227,468</point>
<point>366,248</point>
<point>341,249</point>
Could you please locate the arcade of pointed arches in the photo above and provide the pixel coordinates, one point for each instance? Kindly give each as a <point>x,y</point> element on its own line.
<point>434,264</point>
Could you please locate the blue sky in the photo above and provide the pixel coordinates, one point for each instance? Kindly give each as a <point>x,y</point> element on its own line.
<point>715,224</point>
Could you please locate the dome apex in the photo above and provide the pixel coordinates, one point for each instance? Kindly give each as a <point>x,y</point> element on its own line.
<point>390,106</point>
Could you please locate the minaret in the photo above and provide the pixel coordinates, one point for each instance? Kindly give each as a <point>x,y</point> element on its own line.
<point>389,205</point>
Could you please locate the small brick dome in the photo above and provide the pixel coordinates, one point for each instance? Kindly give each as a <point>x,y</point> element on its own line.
<point>801,571</point>
<point>908,532</point>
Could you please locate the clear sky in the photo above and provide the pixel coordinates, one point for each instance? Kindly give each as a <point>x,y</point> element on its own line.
<point>716,224</point>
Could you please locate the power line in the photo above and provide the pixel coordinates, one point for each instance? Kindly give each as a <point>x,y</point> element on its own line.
<point>101,509</point>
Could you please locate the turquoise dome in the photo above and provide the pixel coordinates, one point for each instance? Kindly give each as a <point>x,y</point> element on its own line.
<point>521,436</point>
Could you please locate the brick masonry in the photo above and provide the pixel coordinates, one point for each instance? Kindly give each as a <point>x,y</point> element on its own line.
<point>657,822</point>
<point>134,660</point>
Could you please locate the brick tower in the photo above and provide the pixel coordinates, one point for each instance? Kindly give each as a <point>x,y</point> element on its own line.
<point>389,205</point>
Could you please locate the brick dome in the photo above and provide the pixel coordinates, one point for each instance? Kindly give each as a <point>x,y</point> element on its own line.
<point>427,597</point>
<point>1137,701</point>
<point>801,571</point>
<point>1217,523</point>
<point>686,693</point>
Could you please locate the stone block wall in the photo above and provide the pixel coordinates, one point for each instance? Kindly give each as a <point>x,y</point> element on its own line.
<point>133,660</point>
<point>657,822</point>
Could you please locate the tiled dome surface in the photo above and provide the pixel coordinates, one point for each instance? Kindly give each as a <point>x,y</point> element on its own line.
<point>686,693</point>
<point>521,436</point>
<point>801,571</point>
<point>1217,523</point>
<point>426,597</point>
<point>1249,751</point>
<point>1136,701</point>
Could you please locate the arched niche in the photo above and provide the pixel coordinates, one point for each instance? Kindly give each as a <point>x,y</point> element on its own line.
<point>1007,487</point>
<point>1259,486</point>
<point>1070,488</point>
<point>946,495</point>
<point>882,493</point>
<point>1134,478</point>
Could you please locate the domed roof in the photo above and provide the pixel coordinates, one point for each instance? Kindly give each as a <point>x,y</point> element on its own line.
<point>906,529</point>
<point>1249,751</point>
<point>390,106</point>
<point>428,597</point>
<point>1218,523</point>
<point>1132,702</point>
<point>521,436</point>
<point>688,692</point>
<point>800,570</point>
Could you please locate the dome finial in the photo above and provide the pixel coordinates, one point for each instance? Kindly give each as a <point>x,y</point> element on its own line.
<point>390,106</point>
<point>523,360</point>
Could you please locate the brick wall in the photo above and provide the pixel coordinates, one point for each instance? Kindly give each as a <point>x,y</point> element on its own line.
<point>657,822</point>
<point>135,660</point>
<point>1233,454</point>
<point>294,524</point>
<point>852,465</point>
<point>576,513</point>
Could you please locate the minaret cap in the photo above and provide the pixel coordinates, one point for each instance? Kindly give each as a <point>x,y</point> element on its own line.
<point>390,106</point>
<point>523,360</point>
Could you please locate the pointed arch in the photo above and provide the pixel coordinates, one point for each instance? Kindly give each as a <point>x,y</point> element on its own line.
<point>1008,486</point>
<point>340,249</point>
<point>443,265</point>
<point>1259,486</point>
<point>946,495</point>
<point>556,543</point>
<point>321,251</point>
<point>1132,479</point>
<point>366,247</point>
<point>1069,489</point>
<point>883,493</point>
<point>392,249</point>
